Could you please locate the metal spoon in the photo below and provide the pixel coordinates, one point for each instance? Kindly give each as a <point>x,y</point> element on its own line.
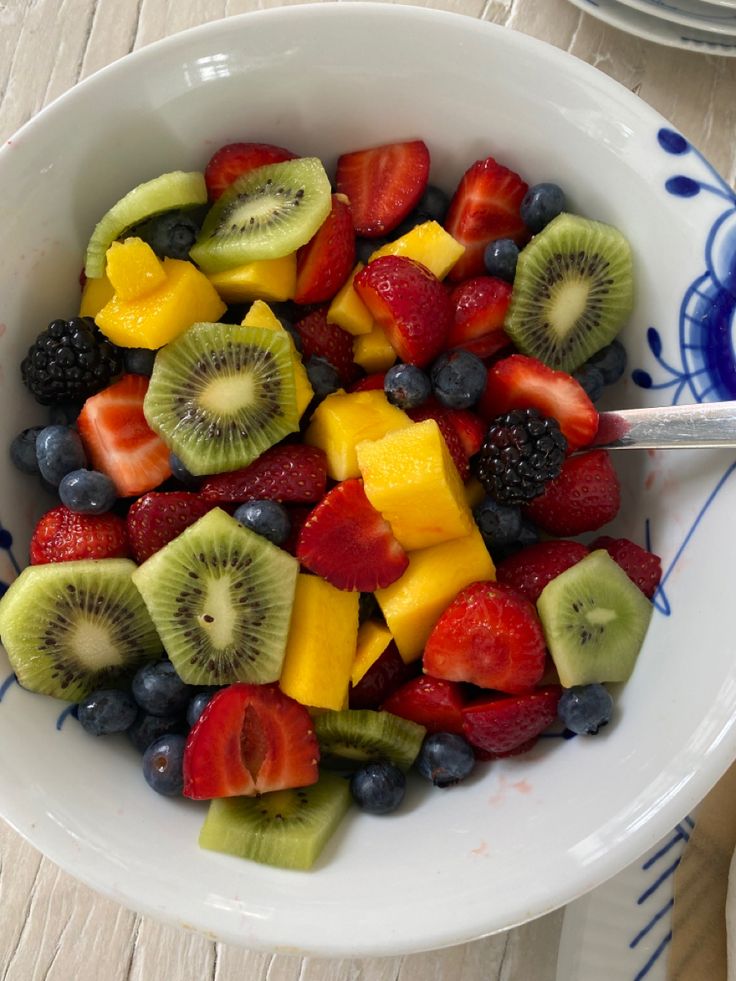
<point>670,427</point>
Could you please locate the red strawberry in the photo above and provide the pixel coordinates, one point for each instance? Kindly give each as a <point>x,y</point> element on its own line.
<point>328,341</point>
<point>585,496</point>
<point>157,518</point>
<point>347,542</point>
<point>325,262</point>
<point>520,382</point>
<point>65,536</point>
<point>382,678</point>
<point>485,207</point>
<point>444,419</point>
<point>293,473</point>
<point>642,567</point>
<point>479,311</point>
<point>369,383</point>
<point>383,184</point>
<point>529,570</point>
<point>470,429</point>
<point>409,303</point>
<point>499,725</point>
<point>119,441</point>
<point>490,636</point>
<point>249,740</point>
<point>236,159</point>
<point>433,703</point>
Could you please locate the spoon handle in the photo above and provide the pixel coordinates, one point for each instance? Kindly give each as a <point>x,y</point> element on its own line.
<point>670,427</point>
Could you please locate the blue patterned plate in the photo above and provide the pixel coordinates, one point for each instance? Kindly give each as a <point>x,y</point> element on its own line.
<point>704,38</point>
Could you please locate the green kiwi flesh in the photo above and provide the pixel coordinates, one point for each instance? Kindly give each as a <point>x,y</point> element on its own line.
<point>72,627</point>
<point>265,214</point>
<point>221,598</point>
<point>221,394</point>
<point>573,291</point>
<point>595,620</point>
<point>356,736</point>
<point>165,193</point>
<point>287,828</point>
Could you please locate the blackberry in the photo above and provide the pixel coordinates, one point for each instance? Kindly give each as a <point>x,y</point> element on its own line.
<point>69,361</point>
<point>522,452</point>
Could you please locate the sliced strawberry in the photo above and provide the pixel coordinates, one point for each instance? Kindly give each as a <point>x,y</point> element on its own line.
<point>328,341</point>
<point>383,184</point>
<point>235,159</point>
<point>444,419</point>
<point>433,703</point>
<point>585,496</point>
<point>381,679</point>
<point>293,473</point>
<point>499,725</point>
<point>158,517</point>
<point>65,536</point>
<point>489,636</point>
<point>479,310</point>
<point>484,754</point>
<point>369,383</point>
<point>409,303</point>
<point>529,570</point>
<point>249,740</point>
<point>470,428</point>
<point>642,567</point>
<point>485,207</point>
<point>119,441</point>
<point>520,382</point>
<point>347,542</point>
<point>326,261</point>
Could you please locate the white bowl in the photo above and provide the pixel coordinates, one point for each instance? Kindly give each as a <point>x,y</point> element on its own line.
<point>527,834</point>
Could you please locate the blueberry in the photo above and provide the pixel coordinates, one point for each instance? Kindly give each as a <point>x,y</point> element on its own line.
<point>500,258</point>
<point>610,361</point>
<point>585,709</point>
<point>179,472</point>
<point>540,205</point>
<point>106,711</point>
<point>433,204</point>
<point>323,376</point>
<point>171,234</point>
<point>267,518</point>
<point>23,450</point>
<point>591,380</point>
<point>458,379</point>
<point>87,492</point>
<point>163,765</point>
<point>59,450</point>
<point>159,690</point>
<point>292,332</point>
<point>365,247</point>
<point>445,758</point>
<point>368,608</point>
<point>64,413</point>
<point>197,706</point>
<point>406,386</point>
<point>499,524</point>
<point>147,728</point>
<point>378,788</point>
<point>139,361</point>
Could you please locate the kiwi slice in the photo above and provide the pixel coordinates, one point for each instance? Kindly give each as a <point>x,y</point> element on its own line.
<point>288,828</point>
<point>265,214</point>
<point>221,394</point>
<point>573,291</point>
<point>355,736</point>
<point>221,597</point>
<point>71,627</point>
<point>595,620</point>
<point>175,190</point>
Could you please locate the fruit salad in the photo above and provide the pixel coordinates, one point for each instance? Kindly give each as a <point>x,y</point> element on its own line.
<point>324,515</point>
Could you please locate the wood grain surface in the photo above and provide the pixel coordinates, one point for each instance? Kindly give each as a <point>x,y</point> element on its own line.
<point>52,928</point>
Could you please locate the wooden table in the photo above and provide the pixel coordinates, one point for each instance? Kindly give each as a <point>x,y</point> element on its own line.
<point>55,929</point>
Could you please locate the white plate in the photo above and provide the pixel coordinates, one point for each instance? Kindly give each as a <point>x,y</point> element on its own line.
<point>655,29</point>
<point>688,13</point>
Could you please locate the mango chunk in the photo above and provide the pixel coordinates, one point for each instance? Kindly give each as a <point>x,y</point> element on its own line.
<point>321,647</point>
<point>373,639</point>
<point>348,311</point>
<point>475,492</point>
<point>427,243</point>
<point>410,478</point>
<point>261,315</point>
<point>264,279</point>
<point>413,604</point>
<point>134,269</point>
<point>95,294</point>
<point>373,351</point>
<point>343,420</point>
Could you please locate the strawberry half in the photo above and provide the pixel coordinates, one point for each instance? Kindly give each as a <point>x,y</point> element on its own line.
<point>585,496</point>
<point>642,567</point>
<point>490,636</point>
<point>327,341</point>
<point>119,441</point>
<point>293,473</point>
<point>529,570</point>
<point>521,382</point>
<point>409,303</point>
<point>485,207</point>
<point>444,419</point>
<point>326,261</point>
<point>470,429</point>
<point>158,517</point>
<point>382,678</point>
<point>383,184</point>
<point>479,310</point>
<point>235,159</point>
<point>249,740</point>
<point>369,383</point>
<point>347,542</point>
<point>433,703</point>
<point>500,725</point>
<point>65,536</point>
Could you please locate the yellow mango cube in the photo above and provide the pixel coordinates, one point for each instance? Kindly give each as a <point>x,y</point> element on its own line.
<point>261,315</point>
<point>348,311</point>
<point>373,639</point>
<point>134,269</point>
<point>427,243</point>
<point>263,279</point>
<point>414,603</point>
<point>474,492</point>
<point>410,478</point>
<point>321,646</point>
<point>373,351</point>
<point>95,294</point>
<point>343,420</point>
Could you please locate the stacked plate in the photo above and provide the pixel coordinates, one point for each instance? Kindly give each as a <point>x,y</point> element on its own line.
<point>706,26</point>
